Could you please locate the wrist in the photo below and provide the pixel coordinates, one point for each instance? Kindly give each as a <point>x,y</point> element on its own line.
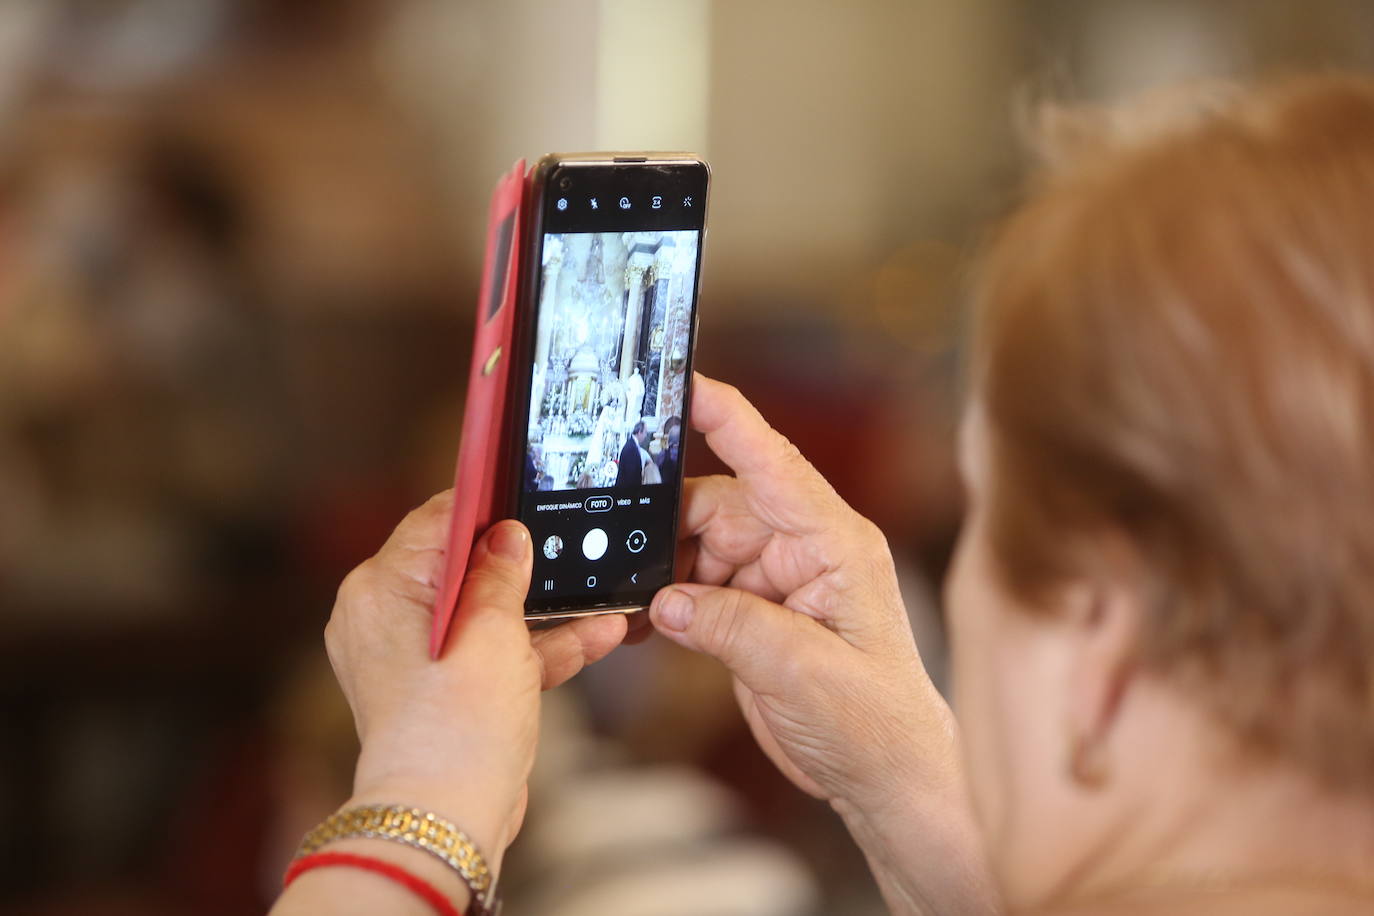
<point>487,826</point>
<point>915,761</point>
<point>382,893</point>
<point>927,857</point>
<point>920,837</point>
<point>481,797</point>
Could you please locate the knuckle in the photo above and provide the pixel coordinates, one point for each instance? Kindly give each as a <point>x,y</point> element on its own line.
<point>798,468</point>
<point>359,581</point>
<point>732,392</point>
<point>717,489</point>
<point>741,407</point>
<point>362,592</point>
<point>875,541</point>
<point>423,517</point>
<point>336,643</point>
<point>788,451</point>
<point>860,541</point>
<point>437,505</point>
<point>439,502</point>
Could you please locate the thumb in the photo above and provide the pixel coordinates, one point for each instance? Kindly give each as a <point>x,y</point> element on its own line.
<point>759,641</point>
<point>498,576</point>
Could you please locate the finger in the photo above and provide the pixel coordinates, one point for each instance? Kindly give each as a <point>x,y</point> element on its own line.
<point>498,577</point>
<point>762,643</point>
<point>639,628</point>
<point>718,504</point>
<point>684,559</point>
<point>777,491</point>
<point>720,530</point>
<point>699,504</point>
<point>737,572</point>
<point>738,433</point>
<point>568,648</point>
<point>709,569</point>
<point>752,577</point>
<point>424,526</point>
<point>416,546</point>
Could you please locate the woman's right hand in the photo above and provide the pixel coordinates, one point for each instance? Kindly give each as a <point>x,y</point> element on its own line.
<point>796,594</point>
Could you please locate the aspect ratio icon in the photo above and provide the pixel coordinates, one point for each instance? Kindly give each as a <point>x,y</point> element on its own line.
<point>656,202</point>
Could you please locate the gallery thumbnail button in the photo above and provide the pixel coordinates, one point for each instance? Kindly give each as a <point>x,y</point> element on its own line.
<point>598,504</point>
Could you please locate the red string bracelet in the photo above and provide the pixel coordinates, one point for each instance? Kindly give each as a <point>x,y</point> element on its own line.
<point>420,887</point>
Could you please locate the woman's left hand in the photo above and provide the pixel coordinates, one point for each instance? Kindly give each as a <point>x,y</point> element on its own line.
<point>457,735</point>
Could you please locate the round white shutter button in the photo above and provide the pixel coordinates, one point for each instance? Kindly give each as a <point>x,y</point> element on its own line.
<point>594,544</point>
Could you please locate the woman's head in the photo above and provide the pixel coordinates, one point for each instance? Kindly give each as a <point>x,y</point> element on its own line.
<point>1174,402</point>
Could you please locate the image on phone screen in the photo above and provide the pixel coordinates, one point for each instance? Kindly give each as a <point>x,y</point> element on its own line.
<point>610,361</point>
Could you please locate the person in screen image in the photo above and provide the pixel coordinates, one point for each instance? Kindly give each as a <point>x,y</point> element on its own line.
<point>630,471</point>
<point>651,474</point>
<point>668,458</point>
<point>532,473</point>
<point>634,395</point>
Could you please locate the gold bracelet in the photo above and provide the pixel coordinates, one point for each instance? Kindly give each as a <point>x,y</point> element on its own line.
<point>420,829</point>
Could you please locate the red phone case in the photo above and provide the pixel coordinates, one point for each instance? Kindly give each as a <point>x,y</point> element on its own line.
<point>478,480</point>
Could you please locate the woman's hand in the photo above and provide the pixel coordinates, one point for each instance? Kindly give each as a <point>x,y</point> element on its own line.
<point>812,623</point>
<point>456,735</point>
<point>796,594</point>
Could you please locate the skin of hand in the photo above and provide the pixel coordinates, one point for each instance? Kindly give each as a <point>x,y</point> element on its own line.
<point>796,594</point>
<point>457,735</point>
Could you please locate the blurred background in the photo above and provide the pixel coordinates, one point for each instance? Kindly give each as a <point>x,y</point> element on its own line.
<point>239,243</point>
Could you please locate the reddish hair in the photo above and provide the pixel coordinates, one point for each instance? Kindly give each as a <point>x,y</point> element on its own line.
<point>1176,344</point>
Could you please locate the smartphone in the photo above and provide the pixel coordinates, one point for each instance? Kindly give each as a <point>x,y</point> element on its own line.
<point>605,336</point>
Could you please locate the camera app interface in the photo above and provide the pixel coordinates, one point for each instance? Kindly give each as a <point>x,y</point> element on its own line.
<point>608,381</point>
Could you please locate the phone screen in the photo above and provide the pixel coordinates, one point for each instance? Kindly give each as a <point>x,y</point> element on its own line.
<point>608,381</point>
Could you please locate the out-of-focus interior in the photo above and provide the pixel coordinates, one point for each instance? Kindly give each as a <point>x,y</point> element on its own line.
<point>239,243</point>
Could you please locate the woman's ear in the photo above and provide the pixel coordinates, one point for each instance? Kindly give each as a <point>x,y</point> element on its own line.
<point>1104,617</point>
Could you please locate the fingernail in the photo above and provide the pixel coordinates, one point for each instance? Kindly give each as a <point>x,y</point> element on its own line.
<point>675,610</point>
<point>509,541</point>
